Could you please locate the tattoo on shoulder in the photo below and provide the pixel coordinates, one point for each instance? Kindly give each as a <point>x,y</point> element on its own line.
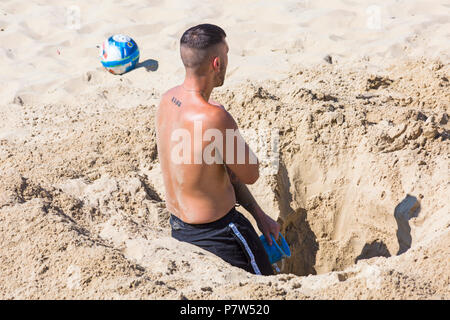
<point>176,101</point>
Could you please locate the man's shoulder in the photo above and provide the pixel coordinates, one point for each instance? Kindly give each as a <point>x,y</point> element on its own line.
<point>216,104</point>
<point>218,117</point>
<point>168,92</point>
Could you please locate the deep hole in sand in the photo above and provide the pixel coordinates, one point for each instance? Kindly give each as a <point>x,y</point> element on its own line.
<point>304,245</point>
<point>311,255</point>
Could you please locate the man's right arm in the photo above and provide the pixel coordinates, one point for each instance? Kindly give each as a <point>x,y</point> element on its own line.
<point>236,153</point>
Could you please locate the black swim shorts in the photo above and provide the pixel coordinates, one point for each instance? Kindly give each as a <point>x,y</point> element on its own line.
<point>232,238</point>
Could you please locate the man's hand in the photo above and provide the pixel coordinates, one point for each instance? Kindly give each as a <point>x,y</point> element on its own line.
<point>267,226</point>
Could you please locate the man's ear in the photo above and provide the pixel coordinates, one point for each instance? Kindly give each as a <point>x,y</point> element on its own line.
<point>216,63</point>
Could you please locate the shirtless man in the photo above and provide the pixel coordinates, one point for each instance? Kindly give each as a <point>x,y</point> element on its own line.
<point>201,195</point>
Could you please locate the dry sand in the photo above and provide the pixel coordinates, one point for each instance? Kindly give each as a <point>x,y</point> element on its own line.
<point>362,186</point>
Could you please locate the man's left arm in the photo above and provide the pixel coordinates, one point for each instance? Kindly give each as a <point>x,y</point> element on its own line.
<point>243,197</point>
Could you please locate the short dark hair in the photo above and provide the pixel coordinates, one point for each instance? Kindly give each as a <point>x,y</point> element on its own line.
<point>200,38</point>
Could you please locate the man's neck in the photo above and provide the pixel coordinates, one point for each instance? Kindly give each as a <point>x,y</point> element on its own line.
<point>199,85</point>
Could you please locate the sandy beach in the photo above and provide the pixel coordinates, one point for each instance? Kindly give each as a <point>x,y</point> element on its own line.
<point>357,91</point>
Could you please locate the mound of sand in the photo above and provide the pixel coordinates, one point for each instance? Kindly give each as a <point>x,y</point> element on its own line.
<point>361,191</point>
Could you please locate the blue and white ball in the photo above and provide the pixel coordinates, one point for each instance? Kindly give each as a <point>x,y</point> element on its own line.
<point>119,54</point>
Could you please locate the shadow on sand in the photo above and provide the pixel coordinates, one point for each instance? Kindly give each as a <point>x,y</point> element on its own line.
<point>149,65</point>
<point>408,208</point>
<point>375,249</point>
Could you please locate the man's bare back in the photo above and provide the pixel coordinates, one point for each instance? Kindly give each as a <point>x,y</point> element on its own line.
<point>196,193</point>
